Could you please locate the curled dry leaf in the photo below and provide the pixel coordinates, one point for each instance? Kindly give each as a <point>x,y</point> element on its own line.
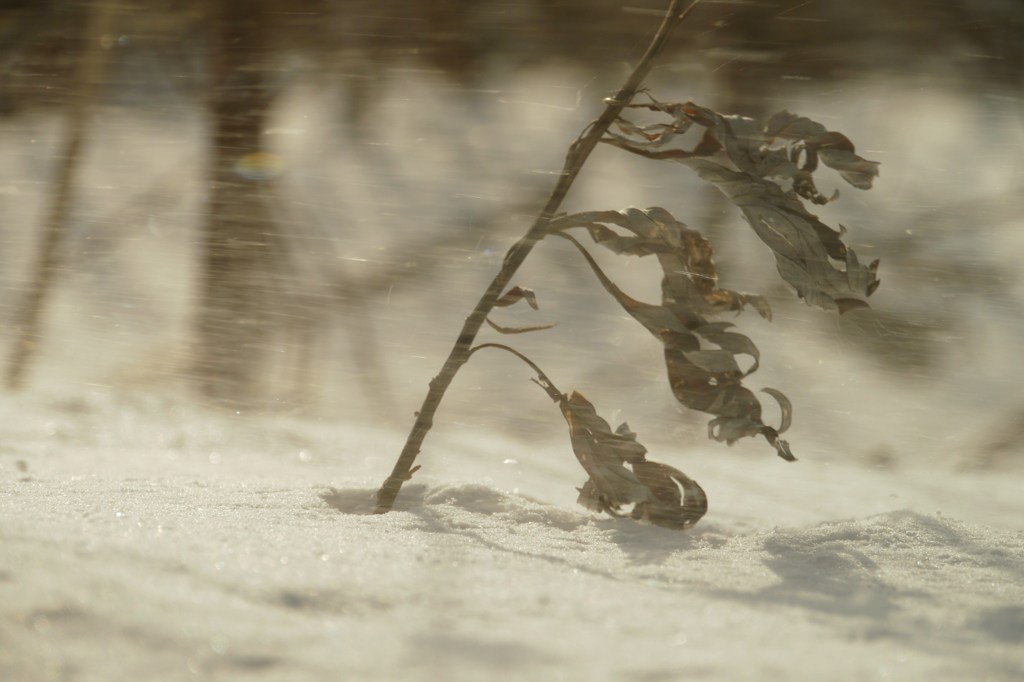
<point>678,502</point>
<point>745,161</point>
<point>511,297</point>
<point>602,454</point>
<point>834,149</point>
<point>685,256</point>
<point>702,378</point>
<point>516,294</point>
<point>661,494</point>
<point>806,250</point>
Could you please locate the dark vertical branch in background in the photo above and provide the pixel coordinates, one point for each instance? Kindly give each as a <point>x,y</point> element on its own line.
<point>28,317</point>
<point>232,327</point>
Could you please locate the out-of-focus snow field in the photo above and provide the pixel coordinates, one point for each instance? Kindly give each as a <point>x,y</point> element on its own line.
<point>147,540</point>
<point>145,537</point>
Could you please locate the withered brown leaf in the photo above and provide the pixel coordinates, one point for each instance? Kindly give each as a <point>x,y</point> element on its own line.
<point>511,297</point>
<point>702,378</point>
<point>745,162</point>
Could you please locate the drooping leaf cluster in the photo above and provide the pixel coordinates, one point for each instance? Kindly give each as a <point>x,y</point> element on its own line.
<point>700,354</point>
<point>765,170</point>
<point>617,467</point>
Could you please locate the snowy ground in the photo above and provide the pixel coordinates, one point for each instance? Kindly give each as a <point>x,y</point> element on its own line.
<point>143,539</point>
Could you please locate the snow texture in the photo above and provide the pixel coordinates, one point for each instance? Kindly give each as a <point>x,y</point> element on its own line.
<point>143,539</point>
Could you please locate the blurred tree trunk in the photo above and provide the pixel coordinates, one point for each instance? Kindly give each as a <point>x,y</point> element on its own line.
<point>31,310</point>
<point>232,327</point>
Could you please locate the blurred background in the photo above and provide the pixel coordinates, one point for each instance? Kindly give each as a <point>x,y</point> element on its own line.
<point>290,207</point>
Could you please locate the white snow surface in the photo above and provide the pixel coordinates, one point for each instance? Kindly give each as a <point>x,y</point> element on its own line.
<point>144,538</point>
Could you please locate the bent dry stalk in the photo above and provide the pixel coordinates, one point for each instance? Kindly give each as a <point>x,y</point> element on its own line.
<point>766,170</point>
<point>577,155</point>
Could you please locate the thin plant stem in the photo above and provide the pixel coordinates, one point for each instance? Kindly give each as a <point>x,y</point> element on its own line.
<point>577,155</point>
<point>47,265</point>
<point>542,379</point>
